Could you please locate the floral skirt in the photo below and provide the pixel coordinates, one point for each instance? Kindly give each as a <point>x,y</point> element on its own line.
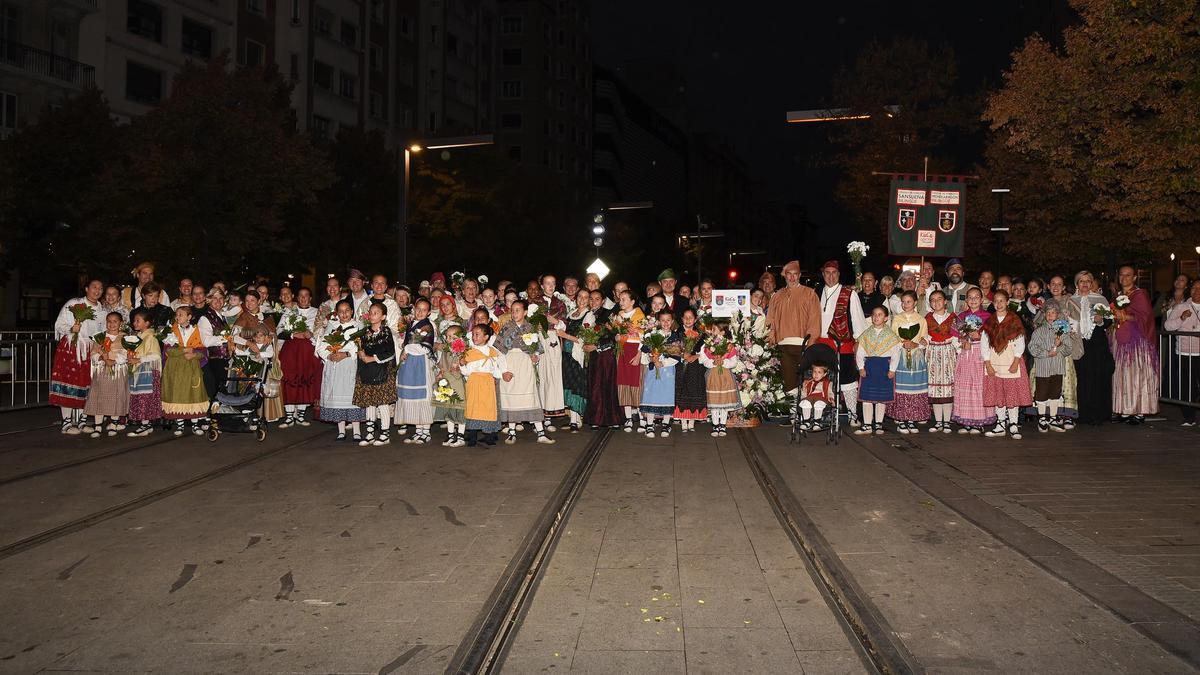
<point>969,373</point>
<point>109,394</point>
<point>144,407</point>
<point>1008,392</point>
<point>69,377</point>
<point>940,360</point>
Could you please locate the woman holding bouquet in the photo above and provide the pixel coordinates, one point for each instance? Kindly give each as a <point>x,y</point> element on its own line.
<point>1094,367</point>
<point>603,406</point>
<point>338,351</point>
<point>71,372</point>
<point>375,383</point>
<point>719,356</point>
<point>1006,382</point>
<point>627,321</point>
<point>108,395</point>
<point>300,386</point>
<point>414,379</point>
<point>658,382</point>
<point>578,332</point>
<point>521,346</point>
<point>549,324</point>
<point>1135,383</point>
<point>911,403</point>
<point>968,411</point>
<point>691,399</point>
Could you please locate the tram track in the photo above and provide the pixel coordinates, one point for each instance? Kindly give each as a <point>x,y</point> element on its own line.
<point>142,501</point>
<point>42,471</point>
<point>487,642</point>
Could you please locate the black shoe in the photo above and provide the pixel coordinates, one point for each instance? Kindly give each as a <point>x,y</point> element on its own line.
<point>472,438</point>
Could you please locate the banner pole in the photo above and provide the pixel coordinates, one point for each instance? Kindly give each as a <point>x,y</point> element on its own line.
<point>926,177</point>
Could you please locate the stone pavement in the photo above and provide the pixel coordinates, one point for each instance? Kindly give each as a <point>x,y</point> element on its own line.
<point>323,558</point>
<point>674,562</point>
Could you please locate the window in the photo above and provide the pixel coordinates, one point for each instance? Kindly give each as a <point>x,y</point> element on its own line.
<point>294,67</point>
<point>350,35</point>
<point>324,21</point>
<point>142,84</point>
<point>562,130</point>
<point>432,121</point>
<point>562,100</point>
<point>321,127</point>
<point>8,113</point>
<point>512,25</point>
<point>254,54</point>
<point>511,57</point>
<point>256,7</point>
<point>514,153</point>
<point>404,116</point>
<point>406,27</point>
<point>378,108</point>
<point>546,63</point>
<point>451,43</point>
<point>323,75</point>
<point>433,35</point>
<point>375,56</point>
<point>347,86</point>
<point>295,12</point>
<point>197,39</point>
<point>145,19</point>
<point>510,89</point>
<point>407,71</point>
<point>10,23</point>
<point>377,11</point>
<point>510,120</point>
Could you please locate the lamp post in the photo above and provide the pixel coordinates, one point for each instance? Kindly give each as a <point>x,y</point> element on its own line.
<point>1000,227</point>
<point>402,197</point>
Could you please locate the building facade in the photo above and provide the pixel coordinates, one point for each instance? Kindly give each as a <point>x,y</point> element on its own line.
<point>544,95</point>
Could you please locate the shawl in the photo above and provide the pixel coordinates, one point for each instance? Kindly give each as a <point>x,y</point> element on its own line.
<point>878,341</point>
<point>1083,304</point>
<point>1000,333</point>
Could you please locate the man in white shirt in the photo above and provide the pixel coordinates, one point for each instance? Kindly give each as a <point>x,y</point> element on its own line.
<point>842,321</point>
<point>132,295</point>
<point>1185,318</point>
<point>357,281</point>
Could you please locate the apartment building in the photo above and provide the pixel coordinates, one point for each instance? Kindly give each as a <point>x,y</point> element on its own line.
<point>40,56</point>
<point>544,101</point>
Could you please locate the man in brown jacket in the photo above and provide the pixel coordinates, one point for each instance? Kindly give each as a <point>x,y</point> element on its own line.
<point>794,314</point>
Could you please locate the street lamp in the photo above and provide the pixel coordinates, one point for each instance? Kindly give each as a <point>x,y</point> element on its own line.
<point>598,230</point>
<point>402,198</point>
<point>1000,227</point>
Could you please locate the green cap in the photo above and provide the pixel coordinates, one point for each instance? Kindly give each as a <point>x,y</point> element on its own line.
<point>666,274</point>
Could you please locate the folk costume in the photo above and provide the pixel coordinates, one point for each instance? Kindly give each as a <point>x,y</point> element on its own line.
<point>795,316</point>
<point>1184,369</point>
<point>720,389</point>
<point>414,380</point>
<point>272,407</point>
<point>550,373</point>
<point>338,379</point>
<point>300,385</point>
<point>603,404</point>
<point>1051,351</point>
<point>1094,367</point>
<point>215,330</point>
<point>877,353</point>
<point>448,369</point>
<point>375,386</point>
<point>1002,345</point>
<point>481,366</point>
<point>1135,383</point>
<point>969,410</point>
<point>691,399</point>
<point>911,403</point>
<point>574,366</point>
<point>108,395</point>
<point>842,321</point>
<point>520,401</point>
<point>71,371</point>
<point>629,364</point>
<point>815,397</point>
<point>184,397</point>
<point>941,357</point>
<point>658,386</point>
<point>145,383</point>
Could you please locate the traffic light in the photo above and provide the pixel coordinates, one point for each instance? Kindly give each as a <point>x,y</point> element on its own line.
<point>733,274</point>
<point>598,229</point>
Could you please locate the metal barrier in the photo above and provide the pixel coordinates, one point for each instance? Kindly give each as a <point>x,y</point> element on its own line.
<point>25,360</point>
<point>1180,372</point>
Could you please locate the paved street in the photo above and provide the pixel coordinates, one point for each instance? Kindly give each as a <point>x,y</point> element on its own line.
<point>1062,553</point>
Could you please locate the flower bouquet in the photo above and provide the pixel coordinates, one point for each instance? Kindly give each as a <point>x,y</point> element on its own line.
<point>81,312</point>
<point>719,351</point>
<point>246,366</point>
<point>293,322</point>
<point>529,343</point>
<point>443,393</point>
<point>1102,312</point>
<point>908,333</point>
<point>536,316</point>
<point>457,279</point>
<point>161,332</point>
<point>971,324</point>
<point>1061,327</point>
<point>130,344</point>
<point>340,337</point>
<point>456,347</point>
<point>591,335</point>
<point>654,343</point>
<point>858,251</point>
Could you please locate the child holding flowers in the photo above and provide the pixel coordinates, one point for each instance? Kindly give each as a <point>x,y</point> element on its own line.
<point>1006,384</point>
<point>627,324</point>
<point>658,382</point>
<point>375,386</point>
<point>1051,346</point>
<point>338,350</point>
<point>690,396</point>
<point>969,411</point>
<point>941,354</point>
<point>521,345</point>
<point>414,378</point>
<point>145,374</point>
<point>482,365</point>
<point>450,389</point>
<point>109,394</point>
<point>911,403</point>
<point>719,356</point>
<point>185,400</point>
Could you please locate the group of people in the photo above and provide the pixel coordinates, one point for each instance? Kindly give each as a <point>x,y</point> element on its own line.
<point>375,358</point>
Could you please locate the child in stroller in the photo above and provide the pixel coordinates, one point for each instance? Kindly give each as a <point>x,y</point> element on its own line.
<point>816,409</point>
<point>238,404</point>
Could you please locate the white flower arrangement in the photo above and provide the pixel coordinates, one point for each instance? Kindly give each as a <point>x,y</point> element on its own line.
<point>857,250</point>
<point>482,279</point>
<point>757,372</point>
<point>1123,301</point>
<point>530,339</point>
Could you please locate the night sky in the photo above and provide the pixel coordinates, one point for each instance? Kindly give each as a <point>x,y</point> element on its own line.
<point>736,69</point>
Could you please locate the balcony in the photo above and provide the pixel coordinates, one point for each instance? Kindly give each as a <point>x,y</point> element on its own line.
<point>47,65</point>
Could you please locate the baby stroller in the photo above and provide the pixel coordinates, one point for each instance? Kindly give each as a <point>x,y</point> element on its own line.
<point>829,420</point>
<point>240,399</point>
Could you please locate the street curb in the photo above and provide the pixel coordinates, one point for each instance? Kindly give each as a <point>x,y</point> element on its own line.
<point>1171,629</point>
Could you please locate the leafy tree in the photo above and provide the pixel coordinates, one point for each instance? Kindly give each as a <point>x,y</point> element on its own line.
<point>210,177</point>
<point>1105,133</point>
<point>45,169</point>
<point>930,121</point>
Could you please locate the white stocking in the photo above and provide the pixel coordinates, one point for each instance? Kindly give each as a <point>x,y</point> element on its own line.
<point>1014,415</point>
<point>850,395</point>
<point>880,409</point>
<point>869,414</point>
<point>1054,405</point>
<point>1000,413</point>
